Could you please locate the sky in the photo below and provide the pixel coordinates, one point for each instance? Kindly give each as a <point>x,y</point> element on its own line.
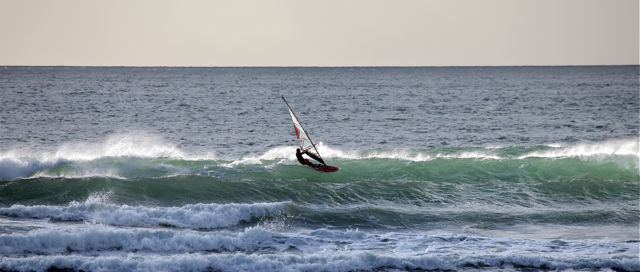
<point>319,33</point>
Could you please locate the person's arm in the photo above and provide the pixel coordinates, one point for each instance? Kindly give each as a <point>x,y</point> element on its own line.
<point>315,157</point>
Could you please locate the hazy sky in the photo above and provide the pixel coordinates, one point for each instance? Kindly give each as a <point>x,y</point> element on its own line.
<point>318,33</point>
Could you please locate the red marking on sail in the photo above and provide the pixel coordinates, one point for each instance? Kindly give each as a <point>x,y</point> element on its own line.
<point>297,132</point>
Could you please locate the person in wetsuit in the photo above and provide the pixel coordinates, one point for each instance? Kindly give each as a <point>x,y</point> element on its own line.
<point>304,161</point>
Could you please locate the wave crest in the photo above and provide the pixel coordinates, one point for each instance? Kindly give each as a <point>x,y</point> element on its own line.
<point>128,156</point>
<point>27,163</point>
<point>620,147</point>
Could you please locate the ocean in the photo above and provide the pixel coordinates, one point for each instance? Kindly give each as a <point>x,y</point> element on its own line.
<point>441,169</point>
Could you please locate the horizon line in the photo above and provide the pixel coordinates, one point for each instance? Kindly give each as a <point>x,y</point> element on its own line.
<point>311,66</point>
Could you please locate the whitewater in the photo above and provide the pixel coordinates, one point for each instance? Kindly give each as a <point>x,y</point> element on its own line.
<point>194,169</point>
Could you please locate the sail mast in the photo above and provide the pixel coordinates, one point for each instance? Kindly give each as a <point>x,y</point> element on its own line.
<point>312,144</point>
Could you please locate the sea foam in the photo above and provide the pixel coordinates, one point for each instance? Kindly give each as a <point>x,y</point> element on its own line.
<point>619,147</point>
<point>347,250</point>
<point>102,238</point>
<point>196,216</point>
<point>338,262</point>
<point>27,163</point>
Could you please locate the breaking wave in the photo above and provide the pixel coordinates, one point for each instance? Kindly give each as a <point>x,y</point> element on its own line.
<point>22,163</point>
<point>98,238</point>
<point>502,257</point>
<point>628,147</point>
<point>320,249</point>
<point>195,216</point>
<point>126,157</point>
<point>620,147</point>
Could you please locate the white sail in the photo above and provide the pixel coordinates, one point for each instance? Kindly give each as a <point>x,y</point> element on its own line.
<point>301,135</point>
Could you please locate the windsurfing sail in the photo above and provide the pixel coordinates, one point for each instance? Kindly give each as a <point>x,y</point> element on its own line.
<point>303,138</point>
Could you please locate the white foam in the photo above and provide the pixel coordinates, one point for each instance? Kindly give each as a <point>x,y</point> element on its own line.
<point>322,250</point>
<point>119,145</point>
<point>287,153</point>
<point>12,167</point>
<point>342,261</point>
<point>622,147</point>
<point>100,238</point>
<point>555,145</point>
<point>404,154</point>
<point>198,216</point>
<point>622,152</point>
<point>27,163</point>
<point>81,173</point>
<point>471,155</point>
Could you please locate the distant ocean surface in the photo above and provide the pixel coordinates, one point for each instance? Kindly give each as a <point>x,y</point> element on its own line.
<point>194,169</point>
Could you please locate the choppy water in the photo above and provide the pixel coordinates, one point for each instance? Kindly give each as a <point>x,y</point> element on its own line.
<point>193,169</point>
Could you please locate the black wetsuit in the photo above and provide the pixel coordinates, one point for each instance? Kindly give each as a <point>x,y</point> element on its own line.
<point>315,157</point>
<point>301,160</point>
<point>304,161</point>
